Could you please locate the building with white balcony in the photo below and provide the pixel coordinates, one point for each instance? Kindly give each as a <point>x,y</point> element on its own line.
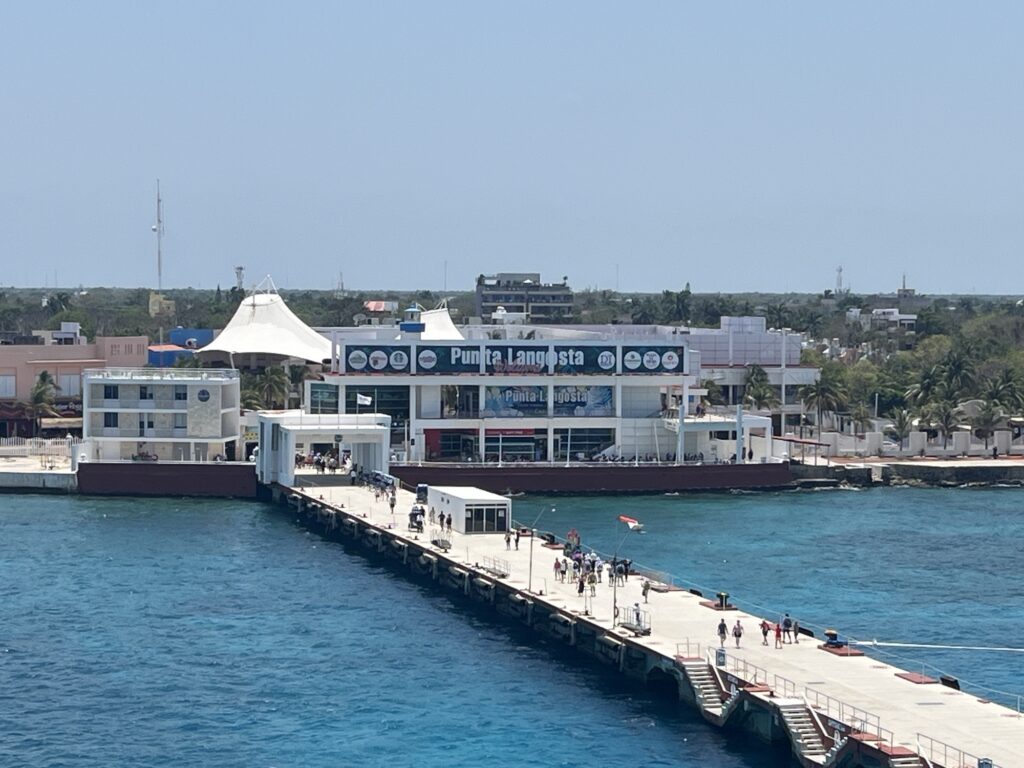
<point>161,414</point>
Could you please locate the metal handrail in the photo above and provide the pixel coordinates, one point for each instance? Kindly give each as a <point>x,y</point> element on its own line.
<point>855,717</point>
<point>944,754</point>
<point>693,649</point>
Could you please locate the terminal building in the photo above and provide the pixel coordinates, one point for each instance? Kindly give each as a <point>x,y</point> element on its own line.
<point>509,393</point>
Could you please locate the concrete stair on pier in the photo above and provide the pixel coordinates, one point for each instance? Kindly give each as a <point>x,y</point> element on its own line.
<point>806,738</point>
<point>705,687</point>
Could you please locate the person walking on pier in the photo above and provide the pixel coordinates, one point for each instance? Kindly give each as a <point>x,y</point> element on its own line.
<point>508,540</point>
<point>765,629</point>
<point>787,628</point>
<point>796,631</point>
<point>581,585</point>
<point>517,539</point>
<point>723,632</point>
<point>737,632</point>
<point>448,523</point>
<point>645,589</point>
<point>778,635</point>
<point>391,503</point>
<point>558,566</point>
<point>592,581</point>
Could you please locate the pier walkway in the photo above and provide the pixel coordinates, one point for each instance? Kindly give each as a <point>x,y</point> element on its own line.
<point>824,701</point>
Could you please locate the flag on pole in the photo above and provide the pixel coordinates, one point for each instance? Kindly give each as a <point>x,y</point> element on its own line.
<point>633,523</point>
<point>364,400</point>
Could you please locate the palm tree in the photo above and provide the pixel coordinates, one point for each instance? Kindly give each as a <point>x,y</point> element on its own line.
<point>40,401</point>
<point>986,420</point>
<point>1003,390</point>
<point>902,422</point>
<point>923,390</point>
<point>273,387</point>
<point>714,395</point>
<point>823,395</point>
<point>860,416</point>
<point>944,416</point>
<point>761,396</point>
<point>297,375</point>
<point>958,373</point>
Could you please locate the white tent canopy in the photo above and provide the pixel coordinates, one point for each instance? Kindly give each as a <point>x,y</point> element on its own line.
<point>438,326</point>
<point>263,325</point>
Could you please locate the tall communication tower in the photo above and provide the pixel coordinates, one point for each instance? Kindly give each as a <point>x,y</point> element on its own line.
<point>240,278</point>
<point>159,229</point>
<point>839,281</point>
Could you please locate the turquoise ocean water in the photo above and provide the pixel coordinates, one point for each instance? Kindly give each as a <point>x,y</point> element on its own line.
<point>193,633</point>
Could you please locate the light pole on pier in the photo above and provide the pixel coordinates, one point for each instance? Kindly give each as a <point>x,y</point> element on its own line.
<point>631,525</point>
<point>533,535</point>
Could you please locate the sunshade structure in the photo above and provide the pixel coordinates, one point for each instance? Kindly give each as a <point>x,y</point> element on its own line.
<point>438,325</point>
<point>264,330</point>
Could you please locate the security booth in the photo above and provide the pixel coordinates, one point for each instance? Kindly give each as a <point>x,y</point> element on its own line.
<point>472,510</point>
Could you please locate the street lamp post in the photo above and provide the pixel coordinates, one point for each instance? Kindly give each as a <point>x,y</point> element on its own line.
<point>615,577</point>
<point>533,535</point>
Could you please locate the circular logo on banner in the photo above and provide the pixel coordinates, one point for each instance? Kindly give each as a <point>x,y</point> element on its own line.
<point>203,395</point>
<point>357,359</point>
<point>652,360</point>
<point>670,361</point>
<point>426,359</point>
<point>378,360</point>
<point>631,360</point>
<point>606,360</point>
<point>399,359</point>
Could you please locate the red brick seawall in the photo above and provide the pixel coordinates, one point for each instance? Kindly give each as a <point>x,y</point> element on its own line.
<point>599,478</point>
<point>156,479</point>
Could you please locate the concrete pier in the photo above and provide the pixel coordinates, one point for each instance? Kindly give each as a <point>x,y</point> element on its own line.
<point>828,709</point>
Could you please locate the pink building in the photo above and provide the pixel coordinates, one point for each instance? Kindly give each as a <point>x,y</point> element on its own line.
<point>64,356</point>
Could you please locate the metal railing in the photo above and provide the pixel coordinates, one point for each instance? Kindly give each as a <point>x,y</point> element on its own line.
<point>946,755</point>
<point>784,686</point>
<point>497,566</point>
<point>689,649</point>
<point>743,669</point>
<point>855,717</point>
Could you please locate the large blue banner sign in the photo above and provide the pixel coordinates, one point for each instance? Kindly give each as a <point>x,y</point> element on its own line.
<point>584,401</point>
<point>376,359</point>
<point>511,402</point>
<point>652,359</point>
<point>584,359</point>
<point>447,359</point>
<point>517,359</point>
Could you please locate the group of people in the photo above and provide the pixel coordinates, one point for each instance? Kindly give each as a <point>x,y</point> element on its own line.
<point>444,522</point>
<point>787,630</point>
<point>322,462</point>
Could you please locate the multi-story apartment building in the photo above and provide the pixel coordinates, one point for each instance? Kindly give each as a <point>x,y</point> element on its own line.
<point>63,354</point>
<point>164,414</point>
<point>523,292</point>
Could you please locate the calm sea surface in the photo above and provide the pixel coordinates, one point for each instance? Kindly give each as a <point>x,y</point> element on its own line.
<point>182,632</point>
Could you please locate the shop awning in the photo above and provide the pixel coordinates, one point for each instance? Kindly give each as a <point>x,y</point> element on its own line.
<point>61,422</point>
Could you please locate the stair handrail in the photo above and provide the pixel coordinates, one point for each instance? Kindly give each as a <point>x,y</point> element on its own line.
<point>822,730</point>
<point>948,755</point>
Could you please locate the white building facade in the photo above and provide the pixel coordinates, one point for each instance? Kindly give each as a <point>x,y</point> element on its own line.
<point>161,414</point>
<point>546,394</point>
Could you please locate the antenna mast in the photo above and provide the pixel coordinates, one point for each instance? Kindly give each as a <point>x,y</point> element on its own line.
<point>159,229</point>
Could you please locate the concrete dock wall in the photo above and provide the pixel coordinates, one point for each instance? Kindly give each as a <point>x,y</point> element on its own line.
<point>38,482</point>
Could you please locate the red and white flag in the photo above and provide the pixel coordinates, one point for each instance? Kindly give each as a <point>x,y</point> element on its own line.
<point>630,521</point>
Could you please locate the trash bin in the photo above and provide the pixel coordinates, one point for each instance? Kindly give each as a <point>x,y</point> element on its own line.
<point>984,762</point>
<point>720,658</point>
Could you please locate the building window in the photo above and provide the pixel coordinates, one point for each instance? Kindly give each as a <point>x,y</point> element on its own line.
<point>70,384</point>
<point>145,393</point>
<point>180,392</point>
<point>110,420</point>
<point>110,392</point>
<point>323,398</point>
<point>180,420</point>
<point>8,385</point>
<point>115,349</point>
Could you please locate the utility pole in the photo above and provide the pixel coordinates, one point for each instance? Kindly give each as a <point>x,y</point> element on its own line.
<point>159,229</point>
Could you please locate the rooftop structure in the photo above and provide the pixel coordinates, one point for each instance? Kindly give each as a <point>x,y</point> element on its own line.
<point>523,292</point>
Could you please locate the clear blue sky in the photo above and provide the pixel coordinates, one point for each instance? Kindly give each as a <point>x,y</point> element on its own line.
<point>737,146</point>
